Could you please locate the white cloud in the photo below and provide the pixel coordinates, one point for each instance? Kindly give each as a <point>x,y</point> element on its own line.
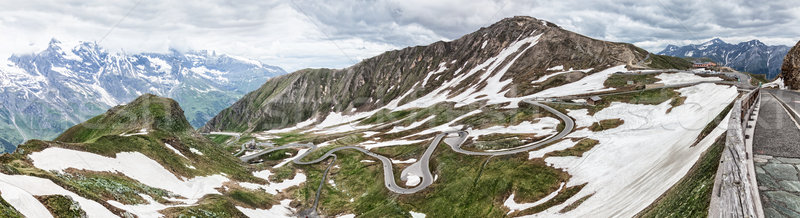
<point>305,33</point>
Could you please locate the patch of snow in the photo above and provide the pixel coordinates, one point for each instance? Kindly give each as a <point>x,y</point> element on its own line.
<point>683,78</point>
<point>514,206</point>
<point>143,210</point>
<point>274,188</point>
<point>287,160</point>
<point>281,210</point>
<point>132,164</point>
<point>195,151</point>
<point>245,60</point>
<point>371,144</point>
<point>23,201</point>
<point>159,64</point>
<point>582,117</point>
<point>141,132</point>
<point>35,186</point>
<point>412,179</point>
<point>368,134</point>
<point>448,126</point>
<point>588,84</point>
<point>367,161</point>
<point>548,76</point>
<point>559,67</point>
<point>657,141</point>
<point>442,68</point>
<point>778,83</point>
<point>412,160</point>
<point>174,150</point>
<point>484,44</point>
<point>410,126</point>
<point>416,215</point>
<point>494,68</point>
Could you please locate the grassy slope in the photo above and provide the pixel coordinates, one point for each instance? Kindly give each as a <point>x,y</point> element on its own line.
<point>166,124</point>
<point>691,196</point>
<point>668,62</point>
<point>467,186</point>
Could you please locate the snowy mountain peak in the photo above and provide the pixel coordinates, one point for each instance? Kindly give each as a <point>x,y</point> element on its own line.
<point>752,56</point>
<point>715,41</point>
<point>54,43</point>
<point>61,86</point>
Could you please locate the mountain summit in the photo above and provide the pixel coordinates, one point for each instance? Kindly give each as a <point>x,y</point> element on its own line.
<point>752,56</point>
<point>474,65</point>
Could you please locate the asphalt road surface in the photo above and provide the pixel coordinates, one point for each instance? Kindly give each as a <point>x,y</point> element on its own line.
<point>776,134</point>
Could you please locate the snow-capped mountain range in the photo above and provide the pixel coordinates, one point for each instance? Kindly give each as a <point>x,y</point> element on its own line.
<point>752,56</point>
<point>44,93</point>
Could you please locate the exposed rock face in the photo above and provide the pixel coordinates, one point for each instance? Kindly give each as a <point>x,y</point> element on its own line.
<point>416,71</point>
<point>790,72</point>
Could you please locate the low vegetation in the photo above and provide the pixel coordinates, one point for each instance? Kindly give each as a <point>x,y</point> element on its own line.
<point>560,198</point>
<point>113,186</point>
<point>249,198</point>
<point>209,206</point>
<point>575,204</point>
<point>606,124</point>
<point>460,181</point>
<point>758,78</point>
<point>713,124</point>
<point>668,62</point>
<point>6,210</point>
<point>581,147</point>
<point>62,206</point>
<point>479,193</point>
<point>495,116</point>
<point>621,80</point>
<point>691,196</point>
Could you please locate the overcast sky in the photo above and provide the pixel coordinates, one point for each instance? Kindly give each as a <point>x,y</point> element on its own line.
<point>338,33</point>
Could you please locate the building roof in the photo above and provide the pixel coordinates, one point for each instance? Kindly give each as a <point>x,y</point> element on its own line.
<point>595,98</point>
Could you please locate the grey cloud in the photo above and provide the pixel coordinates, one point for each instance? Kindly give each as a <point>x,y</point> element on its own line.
<point>307,33</point>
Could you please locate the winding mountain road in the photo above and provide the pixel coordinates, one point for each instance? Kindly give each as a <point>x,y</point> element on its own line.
<point>422,166</point>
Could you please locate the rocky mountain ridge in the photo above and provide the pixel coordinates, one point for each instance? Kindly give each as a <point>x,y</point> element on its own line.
<point>460,67</point>
<point>752,56</point>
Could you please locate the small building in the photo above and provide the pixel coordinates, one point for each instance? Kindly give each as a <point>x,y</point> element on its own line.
<point>630,82</point>
<point>594,100</point>
<point>704,65</point>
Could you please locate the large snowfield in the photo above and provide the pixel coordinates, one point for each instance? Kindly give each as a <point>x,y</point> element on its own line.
<point>638,161</point>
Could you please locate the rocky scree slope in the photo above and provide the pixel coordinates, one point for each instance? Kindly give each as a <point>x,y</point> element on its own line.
<point>751,56</point>
<point>790,72</point>
<point>461,66</point>
<point>44,93</point>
